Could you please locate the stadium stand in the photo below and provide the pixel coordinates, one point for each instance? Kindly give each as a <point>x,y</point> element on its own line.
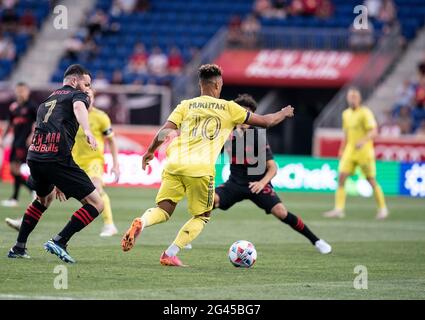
<point>19,21</point>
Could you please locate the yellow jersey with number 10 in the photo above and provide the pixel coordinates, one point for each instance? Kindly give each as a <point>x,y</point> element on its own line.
<point>356,124</point>
<point>205,123</point>
<point>100,126</point>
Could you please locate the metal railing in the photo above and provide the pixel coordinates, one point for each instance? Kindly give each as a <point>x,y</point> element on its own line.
<point>382,58</point>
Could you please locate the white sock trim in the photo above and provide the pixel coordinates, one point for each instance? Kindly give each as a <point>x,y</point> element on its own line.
<point>172,250</point>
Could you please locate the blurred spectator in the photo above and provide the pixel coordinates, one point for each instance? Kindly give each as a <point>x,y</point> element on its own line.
<point>373,7</point>
<point>8,4</point>
<point>280,8</point>
<point>139,59</point>
<point>9,20</point>
<point>98,22</point>
<point>405,96</point>
<point>117,77</point>
<point>7,48</point>
<point>250,28</point>
<point>263,8</point>
<point>100,81</point>
<point>175,61</point>
<point>387,13</point>
<point>157,62</point>
<point>421,68</point>
<point>122,7</point>
<point>325,10</point>
<point>420,94</point>
<point>362,39</point>
<point>404,120</point>
<point>73,47</point>
<point>142,6</point>
<point>28,22</point>
<point>304,7</point>
<point>234,35</point>
<point>89,50</point>
<point>420,132</point>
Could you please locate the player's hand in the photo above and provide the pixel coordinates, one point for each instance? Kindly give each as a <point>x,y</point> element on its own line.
<point>59,195</point>
<point>288,111</point>
<point>147,157</point>
<point>256,186</point>
<point>91,140</point>
<point>116,171</point>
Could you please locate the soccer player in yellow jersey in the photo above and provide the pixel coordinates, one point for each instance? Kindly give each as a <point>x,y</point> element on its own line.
<point>92,162</point>
<point>357,150</point>
<point>205,123</point>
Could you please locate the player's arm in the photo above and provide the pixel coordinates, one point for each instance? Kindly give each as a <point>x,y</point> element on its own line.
<point>4,134</point>
<point>82,116</point>
<point>371,135</point>
<point>271,119</point>
<point>159,139</point>
<point>271,171</point>
<point>114,151</point>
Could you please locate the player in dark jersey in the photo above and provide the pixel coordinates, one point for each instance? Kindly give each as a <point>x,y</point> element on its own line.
<point>22,114</point>
<point>51,164</point>
<point>250,179</point>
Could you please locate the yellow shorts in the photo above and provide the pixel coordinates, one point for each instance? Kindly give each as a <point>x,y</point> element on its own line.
<point>199,191</point>
<point>349,165</point>
<point>93,168</point>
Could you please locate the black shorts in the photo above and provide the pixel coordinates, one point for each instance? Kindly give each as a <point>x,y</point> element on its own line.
<point>18,154</point>
<point>231,193</point>
<point>66,175</point>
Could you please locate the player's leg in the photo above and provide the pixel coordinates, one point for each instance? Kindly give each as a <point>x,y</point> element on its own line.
<point>75,183</point>
<point>109,228</point>
<point>170,193</point>
<point>200,195</point>
<point>346,169</point>
<point>33,213</point>
<point>369,169</point>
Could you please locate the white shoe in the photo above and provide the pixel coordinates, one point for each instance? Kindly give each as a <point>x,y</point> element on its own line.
<point>34,195</point>
<point>14,223</point>
<point>382,214</point>
<point>323,247</point>
<point>108,230</point>
<point>335,213</point>
<point>188,246</point>
<point>9,203</point>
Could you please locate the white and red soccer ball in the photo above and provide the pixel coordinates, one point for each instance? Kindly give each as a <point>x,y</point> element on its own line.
<point>242,254</point>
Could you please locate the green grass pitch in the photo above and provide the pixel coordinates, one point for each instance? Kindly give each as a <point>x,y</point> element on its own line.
<point>288,267</point>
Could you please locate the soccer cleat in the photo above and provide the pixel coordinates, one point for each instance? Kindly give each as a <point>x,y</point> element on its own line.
<point>10,203</point>
<point>323,247</point>
<point>14,223</point>
<point>16,253</point>
<point>129,238</point>
<point>173,261</point>
<point>55,248</point>
<point>382,214</point>
<point>335,213</point>
<point>108,230</point>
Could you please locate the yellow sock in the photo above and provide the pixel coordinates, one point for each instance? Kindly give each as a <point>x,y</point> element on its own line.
<point>190,231</point>
<point>107,211</point>
<point>340,198</point>
<point>154,216</point>
<point>379,196</point>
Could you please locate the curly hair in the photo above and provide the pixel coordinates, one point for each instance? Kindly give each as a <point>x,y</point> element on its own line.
<point>247,101</point>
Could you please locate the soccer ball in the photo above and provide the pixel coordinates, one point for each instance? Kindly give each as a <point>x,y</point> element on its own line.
<point>242,254</point>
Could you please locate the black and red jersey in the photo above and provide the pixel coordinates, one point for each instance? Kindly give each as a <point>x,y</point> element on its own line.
<point>56,125</point>
<point>22,117</point>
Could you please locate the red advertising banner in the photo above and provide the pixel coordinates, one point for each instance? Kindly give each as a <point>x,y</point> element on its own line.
<point>405,148</point>
<point>290,67</point>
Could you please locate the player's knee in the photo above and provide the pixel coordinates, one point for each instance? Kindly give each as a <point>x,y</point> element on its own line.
<point>372,182</point>
<point>216,201</point>
<point>168,206</point>
<point>206,214</point>
<point>279,211</point>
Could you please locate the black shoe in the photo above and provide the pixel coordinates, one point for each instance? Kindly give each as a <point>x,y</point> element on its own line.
<point>19,253</point>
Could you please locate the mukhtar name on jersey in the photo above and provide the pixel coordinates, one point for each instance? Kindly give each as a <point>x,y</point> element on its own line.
<point>207,105</point>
